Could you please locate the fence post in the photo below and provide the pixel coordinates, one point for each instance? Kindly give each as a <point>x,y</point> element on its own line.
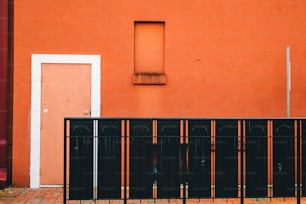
<point>298,161</point>
<point>95,158</point>
<point>125,163</point>
<point>184,167</point>
<point>241,163</point>
<point>184,172</point>
<point>65,161</point>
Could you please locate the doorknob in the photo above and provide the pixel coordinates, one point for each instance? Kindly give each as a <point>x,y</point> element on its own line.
<point>87,112</point>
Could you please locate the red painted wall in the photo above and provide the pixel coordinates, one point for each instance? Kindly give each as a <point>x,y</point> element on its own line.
<point>3,89</point>
<point>222,58</point>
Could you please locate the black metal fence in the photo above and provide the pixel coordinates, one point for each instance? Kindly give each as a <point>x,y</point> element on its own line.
<point>126,158</point>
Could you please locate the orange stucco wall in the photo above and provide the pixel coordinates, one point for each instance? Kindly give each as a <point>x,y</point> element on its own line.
<point>222,58</point>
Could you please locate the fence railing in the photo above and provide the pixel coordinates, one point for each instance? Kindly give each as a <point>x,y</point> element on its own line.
<point>122,159</point>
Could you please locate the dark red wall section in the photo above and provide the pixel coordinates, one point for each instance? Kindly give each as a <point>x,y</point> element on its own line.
<point>3,89</point>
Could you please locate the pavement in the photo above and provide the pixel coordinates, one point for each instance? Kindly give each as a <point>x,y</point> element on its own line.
<point>28,195</point>
<point>55,196</point>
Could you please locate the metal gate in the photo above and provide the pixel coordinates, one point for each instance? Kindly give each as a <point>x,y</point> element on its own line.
<point>283,158</point>
<point>81,160</point>
<point>168,160</point>
<point>199,162</point>
<point>107,158</point>
<point>226,158</point>
<point>256,158</point>
<point>141,157</point>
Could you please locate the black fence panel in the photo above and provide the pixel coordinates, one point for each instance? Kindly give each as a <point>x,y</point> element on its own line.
<point>81,160</point>
<point>109,159</point>
<point>141,159</point>
<point>199,162</point>
<point>226,158</point>
<point>168,164</point>
<point>170,161</point>
<point>304,157</point>
<point>283,158</point>
<point>256,158</point>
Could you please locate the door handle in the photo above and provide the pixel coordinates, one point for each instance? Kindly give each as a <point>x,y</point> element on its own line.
<point>87,112</point>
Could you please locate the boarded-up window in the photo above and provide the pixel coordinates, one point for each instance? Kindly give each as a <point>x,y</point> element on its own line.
<point>149,49</point>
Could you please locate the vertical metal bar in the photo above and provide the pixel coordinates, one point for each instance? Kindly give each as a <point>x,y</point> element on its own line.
<point>298,201</point>
<point>244,158</point>
<point>184,162</point>
<point>125,164</point>
<point>65,161</point>
<point>288,70</point>
<point>122,158</point>
<point>128,160</point>
<point>270,158</point>
<point>186,158</point>
<point>241,164</point>
<point>95,159</point>
<point>154,141</point>
<point>213,158</point>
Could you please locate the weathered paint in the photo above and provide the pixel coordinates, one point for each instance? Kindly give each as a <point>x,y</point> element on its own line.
<point>222,58</point>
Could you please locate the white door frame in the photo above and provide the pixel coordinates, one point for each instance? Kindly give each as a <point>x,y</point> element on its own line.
<point>37,61</point>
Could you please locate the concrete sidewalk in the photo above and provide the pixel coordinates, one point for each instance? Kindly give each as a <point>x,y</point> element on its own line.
<point>55,196</point>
